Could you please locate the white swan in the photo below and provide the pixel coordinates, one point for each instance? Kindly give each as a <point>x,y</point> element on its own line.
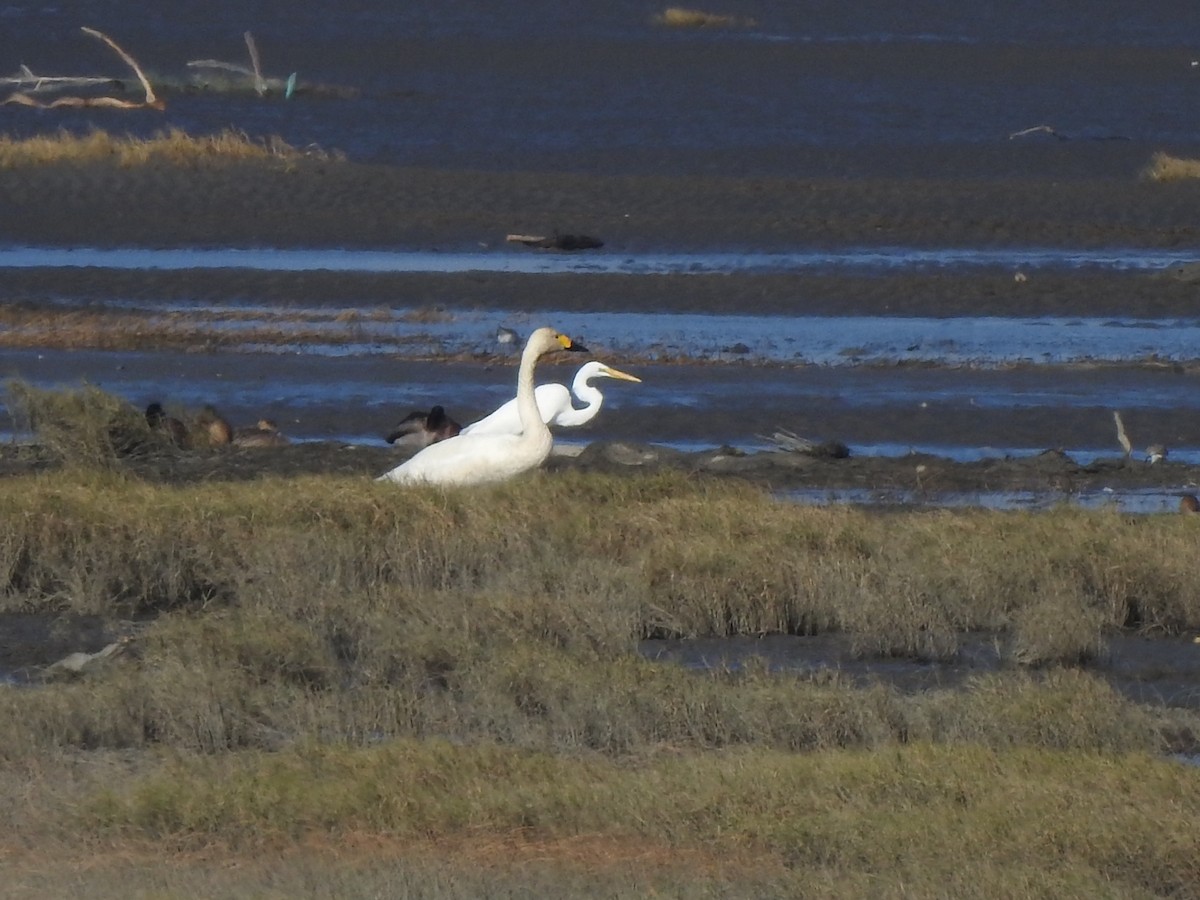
<point>481,458</point>
<point>554,403</point>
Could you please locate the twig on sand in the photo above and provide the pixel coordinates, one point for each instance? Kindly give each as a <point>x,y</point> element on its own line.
<point>557,242</point>
<point>788,440</point>
<point>262,84</point>
<point>791,442</point>
<point>151,102</point>
<point>1038,129</point>
<point>25,77</point>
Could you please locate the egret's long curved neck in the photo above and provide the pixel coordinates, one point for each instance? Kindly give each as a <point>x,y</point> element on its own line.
<point>590,396</point>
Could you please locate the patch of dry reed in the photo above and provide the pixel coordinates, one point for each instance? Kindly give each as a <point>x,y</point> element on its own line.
<point>1164,168</point>
<point>682,17</point>
<point>333,607</point>
<point>85,427</point>
<point>173,146</point>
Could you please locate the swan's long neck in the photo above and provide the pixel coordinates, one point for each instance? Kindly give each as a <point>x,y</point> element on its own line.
<point>532,426</point>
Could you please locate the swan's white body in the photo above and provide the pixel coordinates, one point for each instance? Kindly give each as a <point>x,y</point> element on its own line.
<point>481,458</point>
<point>554,403</point>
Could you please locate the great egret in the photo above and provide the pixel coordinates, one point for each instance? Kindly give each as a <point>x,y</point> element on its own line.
<point>554,403</point>
<point>265,434</point>
<point>158,420</point>
<point>481,458</point>
<point>422,429</point>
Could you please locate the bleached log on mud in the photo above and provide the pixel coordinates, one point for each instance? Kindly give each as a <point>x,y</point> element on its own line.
<point>26,78</point>
<point>262,84</point>
<point>1038,129</point>
<point>152,101</point>
<point>556,242</point>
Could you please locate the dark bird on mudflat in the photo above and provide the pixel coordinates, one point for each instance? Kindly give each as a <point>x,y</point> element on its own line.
<point>420,429</point>
<point>265,434</point>
<point>174,429</point>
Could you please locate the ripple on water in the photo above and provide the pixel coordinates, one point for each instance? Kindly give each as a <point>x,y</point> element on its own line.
<point>614,263</point>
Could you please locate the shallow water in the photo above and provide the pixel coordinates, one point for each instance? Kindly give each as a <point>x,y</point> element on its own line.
<point>1147,501</point>
<point>600,87</point>
<point>962,341</point>
<point>961,413</point>
<point>1162,671</point>
<point>855,259</point>
<point>837,91</point>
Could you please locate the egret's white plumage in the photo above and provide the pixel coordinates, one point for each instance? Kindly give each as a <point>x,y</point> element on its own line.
<point>481,458</point>
<point>554,403</point>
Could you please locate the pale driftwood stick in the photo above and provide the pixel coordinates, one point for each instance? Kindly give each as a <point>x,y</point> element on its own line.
<point>267,83</point>
<point>1034,130</point>
<point>1122,437</point>
<point>525,238</point>
<point>260,83</point>
<point>788,440</point>
<point>217,64</point>
<point>54,82</point>
<point>151,99</point>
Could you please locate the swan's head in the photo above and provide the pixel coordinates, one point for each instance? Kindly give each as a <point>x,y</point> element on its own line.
<point>547,340</point>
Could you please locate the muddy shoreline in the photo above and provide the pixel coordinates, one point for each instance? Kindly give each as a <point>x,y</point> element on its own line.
<point>780,470</point>
<point>348,204</point>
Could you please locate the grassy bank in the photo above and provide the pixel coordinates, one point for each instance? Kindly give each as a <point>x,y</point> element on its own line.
<point>452,677</point>
<point>173,146</point>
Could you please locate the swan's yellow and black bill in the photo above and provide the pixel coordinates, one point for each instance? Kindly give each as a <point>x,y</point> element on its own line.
<point>568,344</point>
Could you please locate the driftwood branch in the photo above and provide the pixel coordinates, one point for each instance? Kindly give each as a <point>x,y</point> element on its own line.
<point>790,442</point>
<point>1122,437</point>
<point>557,242</point>
<point>262,84</point>
<point>35,83</point>
<point>259,84</point>
<point>1038,129</point>
<point>151,102</point>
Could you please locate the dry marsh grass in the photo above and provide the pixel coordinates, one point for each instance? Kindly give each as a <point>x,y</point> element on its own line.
<point>87,426</point>
<point>682,17</point>
<point>934,818</point>
<point>331,607</point>
<point>322,657</point>
<point>173,146</point>
<point>1164,167</point>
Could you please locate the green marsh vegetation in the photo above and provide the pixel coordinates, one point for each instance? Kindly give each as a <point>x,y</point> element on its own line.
<point>352,687</point>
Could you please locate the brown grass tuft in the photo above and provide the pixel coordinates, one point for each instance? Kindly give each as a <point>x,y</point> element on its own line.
<point>174,146</point>
<point>86,427</point>
<point>1165,168</point>
<point>681,17</point>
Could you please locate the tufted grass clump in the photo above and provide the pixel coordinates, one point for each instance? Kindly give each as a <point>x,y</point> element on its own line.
<point>1164,167</point>
<point>336,688</point>
<point>85,427</point>
<point>991,822</point>
<point>682,17</point>
<point>172,146</point>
